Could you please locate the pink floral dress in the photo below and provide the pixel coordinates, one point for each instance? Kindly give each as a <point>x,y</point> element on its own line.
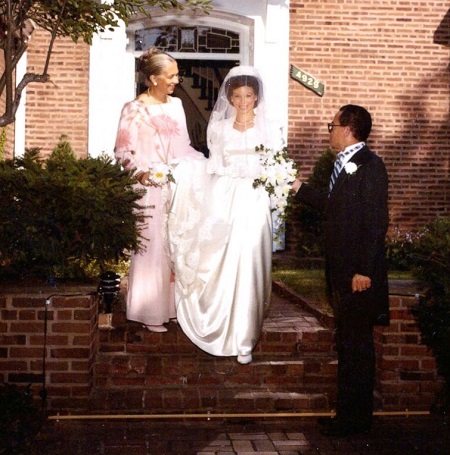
<point>152,134</point>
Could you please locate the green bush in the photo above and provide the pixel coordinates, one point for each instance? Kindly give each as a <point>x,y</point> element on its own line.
<point>62,215</point>
<point>432,313</point>
<point>402,249</point>
<point>2,142</point>
<point>308,228</point>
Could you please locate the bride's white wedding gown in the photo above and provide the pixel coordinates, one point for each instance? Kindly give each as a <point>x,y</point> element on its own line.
<point>220,231</point>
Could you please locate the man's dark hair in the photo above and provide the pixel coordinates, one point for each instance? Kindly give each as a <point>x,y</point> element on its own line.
<point>358,119</point>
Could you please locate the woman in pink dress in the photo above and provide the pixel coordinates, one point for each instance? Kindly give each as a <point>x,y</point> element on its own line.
<point>152,130</point>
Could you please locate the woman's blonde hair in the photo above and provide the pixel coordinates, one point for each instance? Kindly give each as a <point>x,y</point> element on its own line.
<point>152,63</point>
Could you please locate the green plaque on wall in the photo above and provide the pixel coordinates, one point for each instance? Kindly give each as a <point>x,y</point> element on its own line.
<point>307,80</point>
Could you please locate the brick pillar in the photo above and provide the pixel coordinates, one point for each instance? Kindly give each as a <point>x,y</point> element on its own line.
<point>71,344</point>
<point>406,369</point>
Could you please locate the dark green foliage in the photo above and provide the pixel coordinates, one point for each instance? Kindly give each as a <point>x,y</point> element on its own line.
<point>402,249</point>
<point>19,420</point>
<point>432,313</point>
<point>62,215</point>
<point>309,231</point>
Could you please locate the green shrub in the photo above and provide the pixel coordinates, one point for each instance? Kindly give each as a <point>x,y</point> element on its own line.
<point>2,142</point>
<point>432,313</point>
<point>62,215</point>
<point>308,229</point>
<point>402,249</point>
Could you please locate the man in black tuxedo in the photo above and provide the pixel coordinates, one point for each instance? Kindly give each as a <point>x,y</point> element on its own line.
<point>355,224</point>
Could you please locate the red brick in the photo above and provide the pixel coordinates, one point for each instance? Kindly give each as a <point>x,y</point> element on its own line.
<point>81,365</point>
<point>16,352</point>
<point>69,353</point>
<point>58,340</point>
<point>27,315</point>
<point>42,315</point>
<point>71,327</point>
<point>82,315</point>
<point>71,302</point>
<point>82,340</point>
<point>123,382</point>
<point>28,302</point>
<point>13,365</point>
<point>69,378</point>
<point>9,315</point>
<point>26,327</point>
<point>64,315</point>
<point>51,365</point>
<point>414,351</point>
<point>12,339</point>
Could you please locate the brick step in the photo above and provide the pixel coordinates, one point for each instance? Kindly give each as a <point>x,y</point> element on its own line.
<point>173,370</point>
<point>194,400</point>
<point>289,326</point>
<point>293,369</point>
<point>279,337</point>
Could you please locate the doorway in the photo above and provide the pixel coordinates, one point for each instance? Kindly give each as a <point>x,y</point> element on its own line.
<point>200,81</point>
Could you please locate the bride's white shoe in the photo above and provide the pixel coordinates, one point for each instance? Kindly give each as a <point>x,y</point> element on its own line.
<point>155,328</point>
<point>244,359</point>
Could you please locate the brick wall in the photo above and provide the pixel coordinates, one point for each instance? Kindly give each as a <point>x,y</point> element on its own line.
<point>389,56</point>
<point>70,347</point>
<point>61,105</point>
<point>382,55</point>
<point>406,376</point>
<point>406,369</point>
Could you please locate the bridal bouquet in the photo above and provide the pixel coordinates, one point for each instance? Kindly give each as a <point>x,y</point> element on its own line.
<point>160,174</point>
<point>277,175</point>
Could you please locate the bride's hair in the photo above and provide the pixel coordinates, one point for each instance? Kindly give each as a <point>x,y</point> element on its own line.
<point>224,113</point>
<point>242,81</point>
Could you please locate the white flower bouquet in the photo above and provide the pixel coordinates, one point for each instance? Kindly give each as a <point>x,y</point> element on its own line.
<point>278,172</point>
<point>160,174</point>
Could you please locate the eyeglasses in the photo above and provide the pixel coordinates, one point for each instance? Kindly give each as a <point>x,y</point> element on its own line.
<point>331,126</point>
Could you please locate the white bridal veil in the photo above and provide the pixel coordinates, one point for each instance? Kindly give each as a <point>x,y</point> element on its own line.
<point>223,109</point>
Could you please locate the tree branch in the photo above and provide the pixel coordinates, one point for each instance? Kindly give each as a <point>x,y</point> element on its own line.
<point>10,114</point>
<point>14,63</point>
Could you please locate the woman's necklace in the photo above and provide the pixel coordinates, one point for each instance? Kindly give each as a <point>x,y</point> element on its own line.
<point>153,99</point>
<point>245,123</point>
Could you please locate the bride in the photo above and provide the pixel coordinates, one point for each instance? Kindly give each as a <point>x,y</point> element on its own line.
<point>220,226</point>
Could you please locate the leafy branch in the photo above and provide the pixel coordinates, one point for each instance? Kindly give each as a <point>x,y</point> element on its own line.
<point>77,19</point>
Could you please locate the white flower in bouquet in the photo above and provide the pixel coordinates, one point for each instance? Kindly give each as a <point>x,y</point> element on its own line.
<point>160,174</point>
<point>278,172</point>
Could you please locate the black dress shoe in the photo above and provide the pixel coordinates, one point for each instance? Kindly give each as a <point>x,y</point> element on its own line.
<point>341,429</point>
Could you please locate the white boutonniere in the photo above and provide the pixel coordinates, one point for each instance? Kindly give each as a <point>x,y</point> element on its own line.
<point>350,168</point>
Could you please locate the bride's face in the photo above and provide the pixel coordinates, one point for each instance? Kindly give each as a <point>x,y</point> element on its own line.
<point>243,99</point>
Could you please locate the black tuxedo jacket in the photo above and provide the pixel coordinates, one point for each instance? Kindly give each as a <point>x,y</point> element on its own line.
<point>356,220</point>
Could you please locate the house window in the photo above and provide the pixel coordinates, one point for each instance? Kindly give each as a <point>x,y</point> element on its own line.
<point>199,39</point>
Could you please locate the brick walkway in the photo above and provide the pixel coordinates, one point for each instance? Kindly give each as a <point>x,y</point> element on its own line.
<point>390,435</point>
